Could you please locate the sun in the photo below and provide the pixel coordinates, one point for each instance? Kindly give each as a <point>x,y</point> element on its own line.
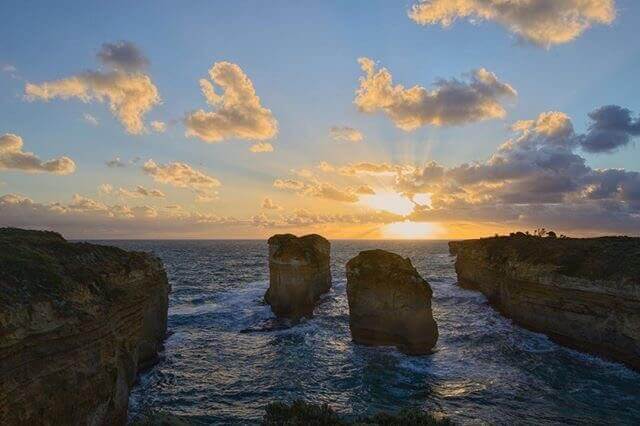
<point>408,230</point>
<point>389,201</point>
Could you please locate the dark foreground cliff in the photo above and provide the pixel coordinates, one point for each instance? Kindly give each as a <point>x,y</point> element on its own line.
<point>584,293</point>
<point>77,322</point>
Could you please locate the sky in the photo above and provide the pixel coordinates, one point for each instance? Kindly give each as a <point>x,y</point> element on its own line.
<point>361,119</point>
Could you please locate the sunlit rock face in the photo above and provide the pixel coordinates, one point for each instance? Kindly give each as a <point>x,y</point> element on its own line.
<point>389,303</point>
<point>583,293</point>
<point>77,322</point>
<point>299,272</point>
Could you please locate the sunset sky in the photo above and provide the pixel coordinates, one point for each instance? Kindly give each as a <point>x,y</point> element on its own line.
<point>353,119</point>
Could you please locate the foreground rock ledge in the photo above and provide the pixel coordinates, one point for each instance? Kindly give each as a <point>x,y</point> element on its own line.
<point>299,272</point>
<point>583,293</point>
<point>77,321</point>
<point>389,303</point>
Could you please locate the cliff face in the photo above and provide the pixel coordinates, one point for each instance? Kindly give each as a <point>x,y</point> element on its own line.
<point>77,321</point>
<point>584,293</point>
<point>389,303</point>
<point>299,272</point>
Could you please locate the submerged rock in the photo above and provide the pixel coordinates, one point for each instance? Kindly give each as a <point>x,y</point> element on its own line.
<point>583,293</point>
<point>389,303</point>
<point>77,321</point>
<point>299,272</point>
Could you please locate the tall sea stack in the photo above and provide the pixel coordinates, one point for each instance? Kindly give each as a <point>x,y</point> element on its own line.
<point>299,272</point>
<point>77,322</point>
<point>389,303</point>
<point>583,293</point>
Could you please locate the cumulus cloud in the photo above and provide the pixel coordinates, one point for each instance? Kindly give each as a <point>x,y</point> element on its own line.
<point>541,22</point>
<point>84,217</point>
<point>158,126</point>
<point>450,102</point>
<point>115,163</point>
<point>140,191</point>
<point>105,188</point>
<point>261,147</point>
<point>12,157</point>
<point>346,134</point>
<point>268,204</point>
<point>122,55</point>
<point>535,178</point>
<point>238,112</point>
<point>612,127</point>
<point>369,168</point>
<point>364,190</point>
<point>317,189</point>
<point>130,94</point>
<point>181,175</point>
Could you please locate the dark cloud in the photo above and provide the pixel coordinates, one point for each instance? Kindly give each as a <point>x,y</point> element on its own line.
<point>123,56</point>
<point>612,127</point>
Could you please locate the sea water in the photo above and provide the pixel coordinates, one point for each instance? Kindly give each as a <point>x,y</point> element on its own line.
<point>226,356</point>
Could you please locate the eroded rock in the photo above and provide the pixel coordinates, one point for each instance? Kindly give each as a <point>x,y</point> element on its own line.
<point>299,272</point>
<point>389,303</point>
<point>582,292</point>
<point>77,322</point>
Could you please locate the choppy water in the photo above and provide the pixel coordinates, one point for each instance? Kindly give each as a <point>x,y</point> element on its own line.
<point>224,360</point>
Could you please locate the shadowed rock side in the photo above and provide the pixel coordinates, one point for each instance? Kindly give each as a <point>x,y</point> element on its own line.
<point>584,293</point>
<point>299,272</point>
<point>77,321</point>
<point>389,303</point>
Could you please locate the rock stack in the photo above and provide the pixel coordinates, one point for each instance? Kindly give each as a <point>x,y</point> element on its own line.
<point>299,272</point>
<point>77,322</point>
<point>389,303</point>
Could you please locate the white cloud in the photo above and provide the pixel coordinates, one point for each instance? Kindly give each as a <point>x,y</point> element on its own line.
<point>238,113</point>
<point>182,175</point>
<point>90,119</point>
<point>542,22</point>
<point>346,134</point>
<point>105,188</point>
<point>12,157</point>
<point>451,102</point>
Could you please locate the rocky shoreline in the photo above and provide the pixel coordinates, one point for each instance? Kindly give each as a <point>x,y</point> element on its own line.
<point>583,293</point>
<point>77,322</point>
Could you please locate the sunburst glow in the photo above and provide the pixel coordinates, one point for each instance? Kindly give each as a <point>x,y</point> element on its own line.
<point>408,230</point>
<point>389,201</point>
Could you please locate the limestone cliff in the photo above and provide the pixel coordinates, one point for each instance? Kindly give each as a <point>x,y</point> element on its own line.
<point>299,272</point>
<point>389,303</point>
<point>584,293</point>
<point>77,321</point>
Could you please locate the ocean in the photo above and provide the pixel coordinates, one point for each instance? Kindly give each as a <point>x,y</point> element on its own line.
<point>226,357</point>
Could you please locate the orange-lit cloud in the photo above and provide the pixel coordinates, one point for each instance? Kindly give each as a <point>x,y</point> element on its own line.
<point>238,112</point>
<point>12,157</point>
<point>181,175</point>
<point>130,95</point>
<point>541,22</point>
<point>346,134</point>
<point>451,102</point>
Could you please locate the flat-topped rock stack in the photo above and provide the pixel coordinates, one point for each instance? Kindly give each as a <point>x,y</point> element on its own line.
<point>77,322</point>
<point>582,292</point>
<point>299,272</point>
<point>389,303</point>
